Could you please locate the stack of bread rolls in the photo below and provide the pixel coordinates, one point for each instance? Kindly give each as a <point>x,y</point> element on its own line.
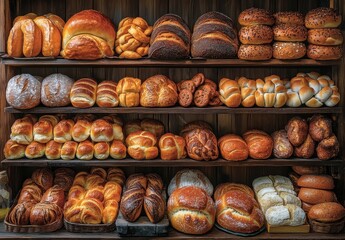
<point>289,34</point>
<point>41,200</point>
<point>325,39</point>
<point>94,197</point>
<point>143,193</point>
<point>185,187</point>
<point>170,38</point>
<point>199,91</point>
<point>32,35</point>
<point>88,35</point>
<point>133,38</point>
<point>214,36</point>
<point>237,209</point>
<point>279,201</point>
<point>256,34</point>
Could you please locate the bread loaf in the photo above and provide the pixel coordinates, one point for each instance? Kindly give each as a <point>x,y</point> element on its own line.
<point>43,131</point>
<point>53,150</point>
<point>69,150</point>
<point>322,17</point>
<point>324,182</point>
<point>316,196</point>
<point>256,34</point>
<point>303,170</point>
<point>20,214</point>
<point>189,216</point>
<point>23,91</point>
<point>325,36</point>
<point>107,95</point>
<point>22,131</point>
<point>14,150</point>
<point>85,150</point>
<point>233,147</point>
<point>30,193</point>
<point>306,149</point>
<point>172,147</point>
<point>328,148</point>
<point>297,131</point>
<point>289,214</point>
<point>81,130</point>
<point>88,35</point>
<point>327,212</point>
<point>282,148</point>
<point>43,177</point>
<point>55,90</point>
<point>63,131</point>
<point>35,150</point>
<point>102,131</point>
<point>128,90</point>
<point>290,33</point>
<point>320,127</point>
<point>260,144</point>
<point>83,93</point>
<point>54,195</point>
<point>142,145</point>
<point>230,93</point>
<point>223,188</point>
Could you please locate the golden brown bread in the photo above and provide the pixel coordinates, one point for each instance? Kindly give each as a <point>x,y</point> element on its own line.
<point>53,150</point>
<point>26,16</point>
<point>158,91</point>
<point>289,50</point>
<point>43,131</point>
<point>306,149</point>
<point>35,150</point>
<point>290,33</point>
<point>69,150</point>
<point>297,130</point>
<point>88,35</point>
<point>322,17</point>
<point>83,93</point>
<point>256,34</point>
<point>223,188</point>
<point>54,195</point>
<point>255,52</point>
<point>142,145</point>
<point>56,20</point>
<point>326,36</point>
<point>324,182</point>
<point>22,131</point>
<point>327,212</point>
<point>319,52</point>
<point>101,150</point>
<point>172,147</point>
<point>316,196</point>
<point>14,150</point>
<point>230,93</point>
<point>102,131</point>
<point>117,150</point>
<point>328,148</point>
<point>233,147</point>
<point>189,216</point>
<point>260,144</point>
<point>81,130</point>
<point>128,90</point>
<point>293,18</point>
<point>85,150</point>
<point>107,95</point>
<point>282,148</point>
<point>255,16</point>
<point>63,131</point>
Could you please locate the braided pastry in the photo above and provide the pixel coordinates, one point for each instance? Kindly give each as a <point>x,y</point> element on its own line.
<point>133,38</point>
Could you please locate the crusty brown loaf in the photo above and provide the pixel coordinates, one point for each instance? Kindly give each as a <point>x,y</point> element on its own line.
<point>306,149</point>
<point>322,18</point>
<point>260,144</point>
<point>190,216</point>
<point>290,33</point>
<point>255,16</point>
<point>324,182</point>
<point>327,212</point>
<point>297,130</point>
<point>83,93</point>
<point>325,36</point>
<point>315,196</point>
<point>158,91</point>
<point>223,188</point>
<point>328,148</point>
<point>172,147</point>
<point>20,214</point>
<point>319,52</point>
<point>320,127</point>
<point>302,170</point>
<point>255,52</point>
<point>88,35</point>
<point>43,177</point>
<point>233,147</point>
<point>282,148</point>
<point>289,50</point>
<point>256,34</point>
<point>293,18</point>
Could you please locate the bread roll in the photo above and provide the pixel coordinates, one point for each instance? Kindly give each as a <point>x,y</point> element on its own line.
<point>324,182</point>
<point>322,17</point>
<point>53,119</point>
<point>318,52</point>
<point>85,150</point>
<point>69,150</point>
<point>83,93</point>
<point>45,213</point>
<point>43,131</point>
<point>316,196</point>
<point>158,91</point>
<point>31,192</point>
<point>142,145</point>
<point>63,131</point>
<point>255,52</point>
<point>23,91</point>
<point>282,148</point>
<point>306,149</point>
<point>88,35</point>
<point>53,150</point>
<point>256,34</point>
<point>290,33</point>
<point>328,148</point>
<point>128,90</point>
<point>189,216</point>
<point>326,36</point>
<point>289,50</point>
<point>102,131</point>
<point>230,93</point>
<point>190,177</point>
<point>22,131</point>
<point>172,147</point>
<point>14,150</point>
<point>260,144</point>
<point>233,147</point>
<point>43,177</point>
<point>55,90</point>
<point>255,16</point>
<point>81,130</point>
<point>289,214</point>
<point>327,212</point>
<point>54,195</point>
<point>107,95</point>
<point>101,150</point>
<point>118,150</point>
<point>35,150</point>
<point>297,131</point>
<point>293,18</point>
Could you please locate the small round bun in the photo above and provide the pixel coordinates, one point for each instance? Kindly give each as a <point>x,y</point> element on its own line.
<point>289,50</point>
<point>293,18</point>
<point>322,18</point>
<point>290,33</point>
<point>256,34</point>
<point>255,52</point>
<point>325,36</point>
<point>23,91</point>
<point>324,52</point>
<point>255,16</point>
<point>55,90</point>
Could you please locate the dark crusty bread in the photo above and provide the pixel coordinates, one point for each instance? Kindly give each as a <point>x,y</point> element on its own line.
<point>215,15</point>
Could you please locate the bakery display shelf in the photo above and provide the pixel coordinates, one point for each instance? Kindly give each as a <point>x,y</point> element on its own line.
<point>213,234</point>
<point>178,110</point>
<point>43,162</point>
<point>166,63</point>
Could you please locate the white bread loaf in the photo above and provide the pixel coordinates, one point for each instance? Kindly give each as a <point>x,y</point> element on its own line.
<point>289,214</point>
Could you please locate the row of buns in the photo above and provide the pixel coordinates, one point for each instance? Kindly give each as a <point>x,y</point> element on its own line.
<point>214,36</point>
<point>311,89</point>
<point>145,139</point>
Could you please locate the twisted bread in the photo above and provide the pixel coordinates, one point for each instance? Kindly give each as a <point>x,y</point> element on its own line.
<point>172,147</point>
<point>142,145</point>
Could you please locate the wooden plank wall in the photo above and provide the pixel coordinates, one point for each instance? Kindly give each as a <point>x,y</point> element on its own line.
<point>189,10</point>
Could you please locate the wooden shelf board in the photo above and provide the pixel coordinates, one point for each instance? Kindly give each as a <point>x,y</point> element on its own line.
<point>165,163</point>
<point>179,110</point>
<point>165,63</point>
<point>173,234</point>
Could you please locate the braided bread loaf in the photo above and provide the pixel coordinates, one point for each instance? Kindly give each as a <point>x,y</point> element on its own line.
<point>133,38</point>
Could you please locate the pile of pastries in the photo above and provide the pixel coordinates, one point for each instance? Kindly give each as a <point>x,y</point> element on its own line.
<point>91,35</point>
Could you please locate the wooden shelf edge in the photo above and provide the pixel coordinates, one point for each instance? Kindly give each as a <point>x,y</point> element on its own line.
<point>166,163</point>
<point>166,63</point>
<point>179,110</point>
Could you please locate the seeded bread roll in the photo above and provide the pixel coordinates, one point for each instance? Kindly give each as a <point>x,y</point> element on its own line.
<point>255,16</point>
<point>290,33</point>
<point>325,36</point>
<point>322,18</point>
<point>324,52</point>
<point>289,50</point>
<point>256,34</point>
<point>255,52</point>
<point>293,18</point>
